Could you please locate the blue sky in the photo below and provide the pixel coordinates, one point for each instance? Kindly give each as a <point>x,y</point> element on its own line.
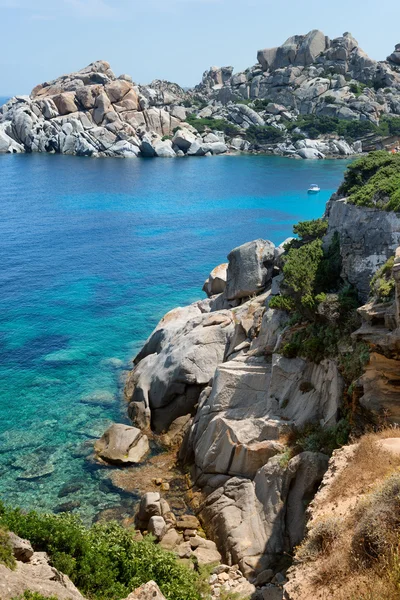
<point>172,39</point>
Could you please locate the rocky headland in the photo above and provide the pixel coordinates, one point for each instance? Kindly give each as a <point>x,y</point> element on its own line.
<point>309,98</point>
<point>295,349</point>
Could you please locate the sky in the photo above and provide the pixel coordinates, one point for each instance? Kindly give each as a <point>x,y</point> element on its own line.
<point>172,39</point>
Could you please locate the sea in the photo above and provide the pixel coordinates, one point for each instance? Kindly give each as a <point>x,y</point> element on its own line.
<point>93,252</point>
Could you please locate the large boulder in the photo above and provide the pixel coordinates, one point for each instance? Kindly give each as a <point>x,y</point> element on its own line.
<point>122,445</point>
<point>65,103</point>
<point>216,282</point>
<point>148,591</point>
<point>177,361</point>
<point>306,392</point>
<point>250,269</point>
<point>255,522</point>
<point>36,575</point>
<point>183,138</point>
<point>235,431</point>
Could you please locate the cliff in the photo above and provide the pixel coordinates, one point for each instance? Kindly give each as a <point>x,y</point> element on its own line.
<point>308,98</point>
<point>266,377</point>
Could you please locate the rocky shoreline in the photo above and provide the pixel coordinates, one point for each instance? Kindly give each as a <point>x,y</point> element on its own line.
<point>310,98</point>
<point>218,373</point>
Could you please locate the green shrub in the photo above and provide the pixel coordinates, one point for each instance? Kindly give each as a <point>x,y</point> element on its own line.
<point>330,99</point>
<point>374,181</point>
<point>104,561</point>
<point>259,136</point>
<point>352,363</point>
<point>210,123</point>
<point>300,271</point>
<point>6,552</point>
<point>383,283</point>
<point>320,539</point>
<point>357,88</point>
<point>312,437</point>
<point>28,595</point>
<point>311,230</point>
<point>261,104</point>
<point>314,126</point>
<point>282,303</point>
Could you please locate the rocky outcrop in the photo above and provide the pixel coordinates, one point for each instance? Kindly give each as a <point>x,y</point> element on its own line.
<point>148,591</point>
<point>94,113</point>
<point>368,237</point>
<point>34,573</point>
<point>255,521</point>
<point>176,363</point>
<point>217,362</point>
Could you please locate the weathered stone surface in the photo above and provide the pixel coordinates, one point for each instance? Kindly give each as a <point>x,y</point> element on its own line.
<point>22,549</point>
<point>216,282</point>
<point>65,103</point>
<point>122,445</point>
<point>183,139</point>
<point>248,519</point>
<point>368,237</point>
<point>305,391</point>
<point>250,269</point>
<point>175,364</point>
<point>36,576</point>
<point>148,591</point>
<point>150,506</point>
<point>157,526</point>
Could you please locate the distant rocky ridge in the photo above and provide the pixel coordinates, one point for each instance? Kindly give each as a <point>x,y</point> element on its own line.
<point>94,113</point>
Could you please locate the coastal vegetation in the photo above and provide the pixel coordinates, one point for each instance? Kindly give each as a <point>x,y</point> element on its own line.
<point>360,543</point>
<point>104,561</point>
<point>373,181</point>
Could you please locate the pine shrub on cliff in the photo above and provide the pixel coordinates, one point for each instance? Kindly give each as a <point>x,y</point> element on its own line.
<point>104,561</point>
<point>374,181</point>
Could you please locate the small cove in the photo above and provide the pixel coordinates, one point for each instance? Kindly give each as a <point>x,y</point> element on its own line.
<point>93,253</point>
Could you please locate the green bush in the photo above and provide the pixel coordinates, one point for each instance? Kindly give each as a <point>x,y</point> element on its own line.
<point>311,230</point>
<point>300,272</point>
<point>28,595</point>
<point>357,88</point>
<point>282,303</point>
<point>259,135</point>
<point>313,437</point>
<point>104,561</point>
<point>314,126</point>
<point>6,552</point>
<point>374,181</point>
<point>383,284</point>
<point>210,123</point>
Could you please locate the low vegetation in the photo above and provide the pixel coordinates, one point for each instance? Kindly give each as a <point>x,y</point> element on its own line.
<point>354,547</point>
<point>202,124</point>
<point>314,126</point>
<point>6,553</point>
<point>312,437</point>
<point>104,561</point>
<point>28,595</point>
<point>383,283</point>
<point>261,135</point>
<point>374,181</point>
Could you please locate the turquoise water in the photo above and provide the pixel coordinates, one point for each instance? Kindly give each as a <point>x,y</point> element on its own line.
<point>93,253</point>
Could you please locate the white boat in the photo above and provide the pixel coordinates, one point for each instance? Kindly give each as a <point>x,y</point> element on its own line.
<point>314,189</point>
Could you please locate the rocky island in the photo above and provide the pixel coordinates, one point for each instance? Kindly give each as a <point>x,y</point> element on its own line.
<point>309,98</point>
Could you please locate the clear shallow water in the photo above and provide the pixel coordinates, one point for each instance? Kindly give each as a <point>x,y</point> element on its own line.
<point>93,253</point>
